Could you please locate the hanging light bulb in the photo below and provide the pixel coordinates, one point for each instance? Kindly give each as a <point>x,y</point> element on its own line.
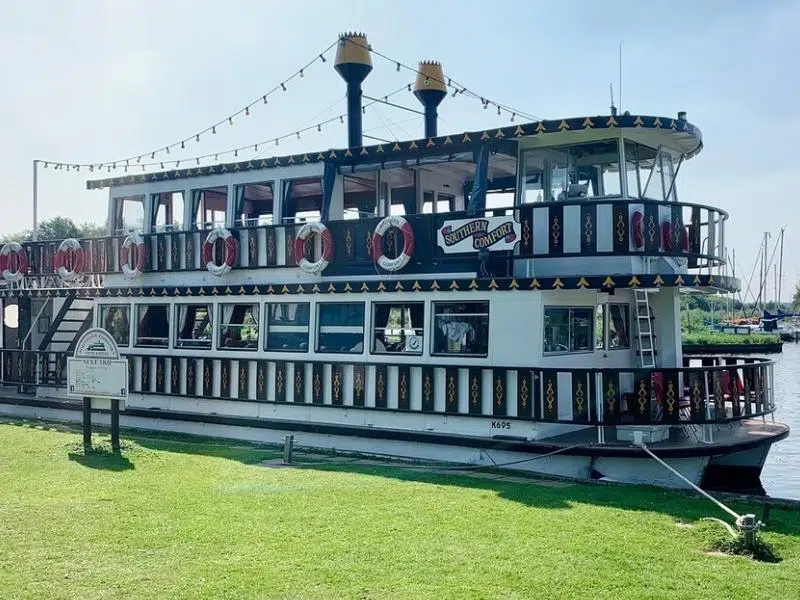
<point>216,157</point>
<point>197,160</point>
<point>45,165</point>
<point>363,110</point>
<point>398,67</point>
<point>230,120</point>
<point>322,58</point>
<point>247,111</point>
<point>455,92</point>
<point>109,169</point>
<point>183,145</point>
<point>91,168</point>
<point>167,149</point>
<point>162,165</point>
<point>498,109</point>
<point>409,87</point>
<point>319,128</point>
<point>126,168</point>
<point>143,169</point>
<point>264,98</point>
<point>283,86</point>
<point>78,168</point>
<point>152,155</point>
<point>301,72</point>
<point>114,165</point>
<point>427,80</point>
<point>139,159</point>
<point>177,164</point>
<point>214,129</point>
<point>197,138</point>
<point>276,141</point>
<point>513,114</point>
<point>236,153</point>
<point>341,119</point>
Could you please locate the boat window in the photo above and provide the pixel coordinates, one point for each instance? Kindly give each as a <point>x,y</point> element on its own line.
<point>571,172</point>
<point>360,196</point>
<point>645,169</point>
<point>208,207</point>
<point>445,203</point>
<point>301,200</point>
<point>194,326</point>
<point>403,190</point>
<point>254,204</point>
<point>341,327</point>
<point>239,326</point>
<point>287,327</point>
<point>461,328</point>
<point>152,325</point>
<point>398,327</point>
<point>128,214</point>
<point>612,326</point>
<point>167,212</point>
<point>568,329</point>
<point>115,319</point>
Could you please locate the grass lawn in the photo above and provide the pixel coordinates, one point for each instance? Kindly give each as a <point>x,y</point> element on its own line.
<point>180,518</point>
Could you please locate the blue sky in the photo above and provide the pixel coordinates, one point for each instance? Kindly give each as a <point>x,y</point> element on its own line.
<point>91,80</point>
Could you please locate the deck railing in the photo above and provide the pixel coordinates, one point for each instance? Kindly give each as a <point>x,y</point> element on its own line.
<point>602,227</point>
<point>718,390</point>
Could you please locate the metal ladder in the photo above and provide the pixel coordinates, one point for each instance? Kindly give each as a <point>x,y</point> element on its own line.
<point>644,331</point>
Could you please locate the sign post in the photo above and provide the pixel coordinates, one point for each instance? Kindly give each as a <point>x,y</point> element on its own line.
<point>98,375</point>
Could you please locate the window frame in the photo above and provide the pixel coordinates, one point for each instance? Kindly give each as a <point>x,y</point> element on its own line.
<point>147,305</point>
<point>219,342</point>
<point>374,326</point>
<point>101,321</point>
<point>487,314</point>
<point>318,327</point>
<point>592,339</point>
<point>268,321</point>
<point>210,308</point>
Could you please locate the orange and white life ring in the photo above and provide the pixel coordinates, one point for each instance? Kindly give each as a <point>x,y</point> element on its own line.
<point>69,259</point>
<point>133,246</point>
<point>326,256</point>
<point>637,229</point>
<point>13,262</point>
<point>401,260</point>
<point>228,257</point>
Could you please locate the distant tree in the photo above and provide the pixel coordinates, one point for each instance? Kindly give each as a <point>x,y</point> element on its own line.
<point>796,297</point>
<point>58,228</point>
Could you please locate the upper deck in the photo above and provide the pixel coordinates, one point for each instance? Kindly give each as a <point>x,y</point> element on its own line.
<point>580,199</point>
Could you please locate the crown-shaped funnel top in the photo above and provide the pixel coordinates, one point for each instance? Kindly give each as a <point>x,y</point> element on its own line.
<point>430,77</point>
<point>353,49</point>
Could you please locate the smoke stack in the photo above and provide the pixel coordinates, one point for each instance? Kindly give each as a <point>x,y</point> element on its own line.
<point>353,63</point>
<point>430,90</point>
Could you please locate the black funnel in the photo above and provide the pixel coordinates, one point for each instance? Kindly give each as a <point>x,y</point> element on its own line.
<point>430,89</point>
<point>353,63</point>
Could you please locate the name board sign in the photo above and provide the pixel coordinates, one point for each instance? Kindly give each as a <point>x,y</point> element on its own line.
<point>484,233</point>
<point>96,370</point>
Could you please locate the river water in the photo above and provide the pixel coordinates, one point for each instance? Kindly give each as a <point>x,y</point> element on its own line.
<point>781,474</point>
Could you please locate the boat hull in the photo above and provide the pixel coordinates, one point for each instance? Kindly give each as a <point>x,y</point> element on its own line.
<point>562,456</point>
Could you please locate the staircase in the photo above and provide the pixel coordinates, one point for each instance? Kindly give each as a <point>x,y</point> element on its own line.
<point>644,331</point>
<point>74,318</point>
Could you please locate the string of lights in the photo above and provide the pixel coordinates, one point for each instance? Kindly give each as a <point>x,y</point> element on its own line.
<point>454,85</point>
<point>256,147</point>
<point>135,161</point>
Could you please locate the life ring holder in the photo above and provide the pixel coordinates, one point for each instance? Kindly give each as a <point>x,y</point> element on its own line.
<point>402,259</point>
<point>130,269</point>
<point>69,259</point>
<point>326,256</point>
<point>229,256</point>
<point>16,250</point>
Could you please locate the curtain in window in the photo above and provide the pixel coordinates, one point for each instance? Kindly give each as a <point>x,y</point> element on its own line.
<point>287,209</point>
<point>477,199</point>
<point>185,323</point>
<point>197,201</point>
<point>155,203</point>
<point>239,205</point>
<point>227,314</point>
<point>119,207</point>
<point>328,180</point>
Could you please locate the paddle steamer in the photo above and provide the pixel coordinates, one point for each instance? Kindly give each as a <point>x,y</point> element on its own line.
<point>507,296</point>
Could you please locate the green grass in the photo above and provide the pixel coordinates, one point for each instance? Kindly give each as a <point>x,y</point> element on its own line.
<point>718,338</point>
<point>177,518</point>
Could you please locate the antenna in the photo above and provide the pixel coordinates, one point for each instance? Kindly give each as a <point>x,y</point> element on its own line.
<point>620,75</point>
<point>613,108</point>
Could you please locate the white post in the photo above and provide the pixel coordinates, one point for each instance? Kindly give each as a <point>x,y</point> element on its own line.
<point>35,200</point>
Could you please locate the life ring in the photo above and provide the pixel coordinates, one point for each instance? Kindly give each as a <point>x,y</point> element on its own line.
<point>69,259</point>
<point>229,256</point>
<point>13,262</point>
<point>401,260</point>
<point>131,269</point>
<point>326,256</point>
<point>637,229</point>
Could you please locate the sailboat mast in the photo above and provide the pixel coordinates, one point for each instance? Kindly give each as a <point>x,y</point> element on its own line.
<point>780,269</point>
